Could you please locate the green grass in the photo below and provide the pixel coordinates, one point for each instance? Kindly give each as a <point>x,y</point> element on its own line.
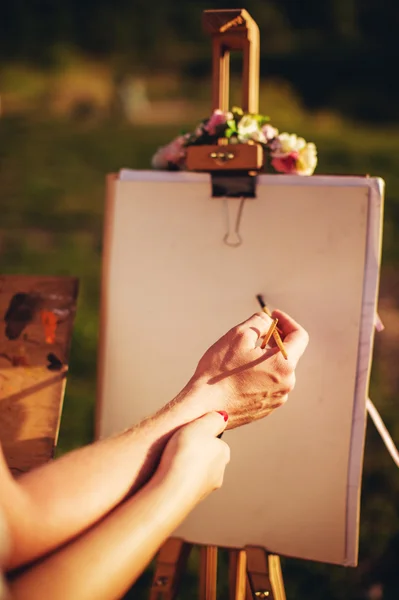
<point>52,176</point>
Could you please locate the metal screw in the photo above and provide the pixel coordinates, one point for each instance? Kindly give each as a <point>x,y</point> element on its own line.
<point>262,594</point>
<point>222,156</point>
<point>160,581</point>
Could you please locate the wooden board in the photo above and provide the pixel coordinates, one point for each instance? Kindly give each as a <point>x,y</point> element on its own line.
<point>37,316</point>
<point>312,247</point>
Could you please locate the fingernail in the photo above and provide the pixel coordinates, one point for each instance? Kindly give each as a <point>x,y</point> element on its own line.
<point>224,414</point>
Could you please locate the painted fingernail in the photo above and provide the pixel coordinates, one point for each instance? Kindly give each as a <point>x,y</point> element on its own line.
<point>224,414</point>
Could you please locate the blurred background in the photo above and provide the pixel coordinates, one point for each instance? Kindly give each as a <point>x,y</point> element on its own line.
<point>90,86</point>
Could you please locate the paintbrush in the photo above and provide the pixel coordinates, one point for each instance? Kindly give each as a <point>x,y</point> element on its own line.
<point>273,330</point>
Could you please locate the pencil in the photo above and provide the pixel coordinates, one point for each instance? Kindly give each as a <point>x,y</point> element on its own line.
<point>265,309</point>
<point>269,334</point>
<point>280,344</point>
<point>276,332</point>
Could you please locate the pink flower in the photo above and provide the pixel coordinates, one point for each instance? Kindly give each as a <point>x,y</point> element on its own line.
<point>198,131</point>
<point>172,154</point>
<point>217,119</point>
<point>269,132</point>
<point>286,164</point>
<point>291,154</point>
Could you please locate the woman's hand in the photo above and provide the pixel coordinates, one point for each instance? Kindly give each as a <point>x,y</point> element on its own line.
<point>195,459</point>
<point>106,559</point>
<point>244,380</point>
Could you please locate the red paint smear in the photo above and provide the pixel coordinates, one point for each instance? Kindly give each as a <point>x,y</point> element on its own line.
<point>49,321</point>
<point>20,361</point>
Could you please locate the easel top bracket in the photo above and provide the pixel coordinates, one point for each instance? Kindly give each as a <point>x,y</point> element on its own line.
<point>231,20</point>
<point>231,29</point>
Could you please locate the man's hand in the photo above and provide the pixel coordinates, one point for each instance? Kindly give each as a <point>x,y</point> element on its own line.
<point>63,498</point>
<point>244,380</point>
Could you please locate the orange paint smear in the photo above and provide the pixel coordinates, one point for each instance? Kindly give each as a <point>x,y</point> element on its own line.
<point>49,321</point>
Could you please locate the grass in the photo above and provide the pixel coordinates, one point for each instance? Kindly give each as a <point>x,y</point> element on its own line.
<point>52,194</point>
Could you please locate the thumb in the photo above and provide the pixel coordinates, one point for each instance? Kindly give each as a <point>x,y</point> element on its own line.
<point>213,423</point>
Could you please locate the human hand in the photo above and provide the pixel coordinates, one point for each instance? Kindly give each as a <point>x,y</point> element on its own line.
<point>194,458</point>
<point>244,380</point>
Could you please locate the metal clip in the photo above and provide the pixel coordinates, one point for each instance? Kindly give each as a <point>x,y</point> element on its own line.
<point>233,237</point>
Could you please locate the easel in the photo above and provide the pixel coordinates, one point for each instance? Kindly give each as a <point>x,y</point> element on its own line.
<point>253,573</point>
<point>231,30</point>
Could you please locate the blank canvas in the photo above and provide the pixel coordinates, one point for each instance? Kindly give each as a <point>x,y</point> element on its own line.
<point>171,287</point>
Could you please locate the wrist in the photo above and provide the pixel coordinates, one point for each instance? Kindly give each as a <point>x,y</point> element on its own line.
<point>177,491</point>
<point>196,399</point>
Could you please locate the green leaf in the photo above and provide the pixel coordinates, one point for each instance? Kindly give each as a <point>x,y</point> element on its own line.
<point>261,119</point>
<point>236,110</point>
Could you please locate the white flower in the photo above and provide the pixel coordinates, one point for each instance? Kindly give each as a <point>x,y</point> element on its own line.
<point>307,160</point>
<point>248,129</point>
<point>287,143</point>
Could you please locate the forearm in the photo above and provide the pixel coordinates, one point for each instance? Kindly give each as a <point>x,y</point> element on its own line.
<point>105,561</point>
<point>63,498</point>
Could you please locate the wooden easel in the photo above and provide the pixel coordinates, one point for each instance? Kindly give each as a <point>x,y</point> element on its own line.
<point>231,30</point>
<point>253,573</point>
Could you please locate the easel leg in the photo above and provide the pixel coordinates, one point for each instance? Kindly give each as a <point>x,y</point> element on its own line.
<point>171,563</point>
<point>276,577</point>
<point>264,575</point>
<point>237,574</point>
<point>208,572</point>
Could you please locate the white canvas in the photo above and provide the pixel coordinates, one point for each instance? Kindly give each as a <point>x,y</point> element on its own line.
<point>171,287</point>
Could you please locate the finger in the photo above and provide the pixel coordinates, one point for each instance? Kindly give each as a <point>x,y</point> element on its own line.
<point>213,423</point>
<point>226,452</point>
<point>256,326</point>
<point>295,337</point>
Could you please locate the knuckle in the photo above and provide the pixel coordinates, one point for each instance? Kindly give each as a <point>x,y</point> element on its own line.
<point>283,399</point>
<point>262,315</point>
<point>289,367</point>
<point>290,382</point>
<point>276,377</point>
<point>240,329</point>
<point>283,369</point>
<point>287,379</point>
<point>286,386</point>
<point>265,318</point>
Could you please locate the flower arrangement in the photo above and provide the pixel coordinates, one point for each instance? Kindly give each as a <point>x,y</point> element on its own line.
<point>288,153</point>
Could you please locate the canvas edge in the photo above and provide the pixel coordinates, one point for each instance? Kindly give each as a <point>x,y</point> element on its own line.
<point>109,212</point>
<point>366,341</point>
<point>126,175</point>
